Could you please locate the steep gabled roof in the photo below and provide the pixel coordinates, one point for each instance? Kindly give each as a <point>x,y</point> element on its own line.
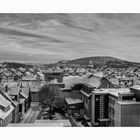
<point>7,97</point>
<point>3,102</point>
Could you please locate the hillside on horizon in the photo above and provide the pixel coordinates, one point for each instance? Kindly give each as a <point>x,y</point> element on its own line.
<point>97,61</point>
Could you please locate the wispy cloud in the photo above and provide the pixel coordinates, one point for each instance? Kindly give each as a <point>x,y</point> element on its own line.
<point>48,38</point>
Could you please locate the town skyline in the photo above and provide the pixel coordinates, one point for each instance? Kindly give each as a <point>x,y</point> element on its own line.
<point>69,70</point>
<point>65,61</point>
<point>48,38</point>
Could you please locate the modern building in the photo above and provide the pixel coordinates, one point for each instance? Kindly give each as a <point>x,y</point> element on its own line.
<point>104,103</point>
<point>87,88</point>
<point>99,108</point>
<point>122,94</point>
<point>127,114</point>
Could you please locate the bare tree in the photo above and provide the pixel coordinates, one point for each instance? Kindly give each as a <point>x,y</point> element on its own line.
<point>48,97</point>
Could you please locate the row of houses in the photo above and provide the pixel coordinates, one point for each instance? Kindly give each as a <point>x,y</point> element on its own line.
<point>18,74</point>
<point>15,100</point>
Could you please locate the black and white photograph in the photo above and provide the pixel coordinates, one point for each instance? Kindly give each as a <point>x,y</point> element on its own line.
<point>69,69</point>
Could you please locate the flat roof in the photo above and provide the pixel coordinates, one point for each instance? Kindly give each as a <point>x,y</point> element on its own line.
<point>100,91</point>
<point>128,102</point>
<point>136,87</point>
<point>71,101</point>
<point>113,91</point>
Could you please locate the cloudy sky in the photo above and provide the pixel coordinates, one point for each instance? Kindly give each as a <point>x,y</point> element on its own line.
<point>47,38</point>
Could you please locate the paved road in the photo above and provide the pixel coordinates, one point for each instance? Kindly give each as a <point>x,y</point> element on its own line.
<point>31,115</point>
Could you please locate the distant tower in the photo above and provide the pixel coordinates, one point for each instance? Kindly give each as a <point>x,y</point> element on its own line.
<point>90,62</point>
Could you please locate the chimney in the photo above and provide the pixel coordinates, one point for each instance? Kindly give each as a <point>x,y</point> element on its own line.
<point>6,88</point>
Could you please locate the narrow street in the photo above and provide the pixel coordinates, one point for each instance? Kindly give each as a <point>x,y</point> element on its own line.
<point>31,115</point>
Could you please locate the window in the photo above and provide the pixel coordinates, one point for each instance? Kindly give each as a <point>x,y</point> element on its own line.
<point>20,108</point>
<point>97,99</point>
